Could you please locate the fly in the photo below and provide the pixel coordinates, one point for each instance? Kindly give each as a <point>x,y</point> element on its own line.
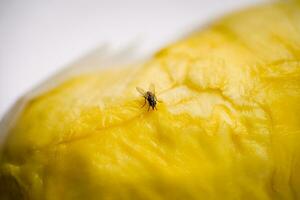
<point>149,96</point>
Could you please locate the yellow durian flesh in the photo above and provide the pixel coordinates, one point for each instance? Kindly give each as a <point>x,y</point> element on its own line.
<point>228,127</point>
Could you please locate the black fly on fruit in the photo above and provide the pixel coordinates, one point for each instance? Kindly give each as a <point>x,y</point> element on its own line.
<point>149,97</point>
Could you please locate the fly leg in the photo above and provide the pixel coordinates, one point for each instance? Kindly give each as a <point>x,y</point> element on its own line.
<point>157,100</point>
<point>144,103</point>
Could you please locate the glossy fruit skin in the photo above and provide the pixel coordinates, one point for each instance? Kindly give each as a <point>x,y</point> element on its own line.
<point>228,127</point>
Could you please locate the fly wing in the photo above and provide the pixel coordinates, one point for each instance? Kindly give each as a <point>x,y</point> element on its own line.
<point>141,91</point>
<point>152,88</point>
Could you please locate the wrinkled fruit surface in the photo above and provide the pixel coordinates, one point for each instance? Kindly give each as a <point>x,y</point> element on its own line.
<point>228,127</point>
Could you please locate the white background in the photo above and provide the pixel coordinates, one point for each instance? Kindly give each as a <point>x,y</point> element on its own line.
<point>39,37</point>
